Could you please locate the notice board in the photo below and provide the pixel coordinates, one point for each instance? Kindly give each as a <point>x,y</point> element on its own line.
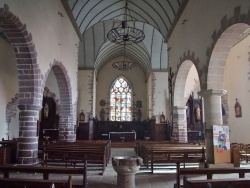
<point>221,144</point>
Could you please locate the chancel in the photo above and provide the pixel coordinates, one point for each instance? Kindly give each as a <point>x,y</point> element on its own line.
<point>164,81</point>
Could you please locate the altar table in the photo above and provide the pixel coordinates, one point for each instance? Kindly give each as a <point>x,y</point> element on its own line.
<point>125,136</point>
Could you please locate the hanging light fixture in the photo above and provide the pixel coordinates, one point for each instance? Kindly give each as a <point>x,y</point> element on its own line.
<point>123,34</point>
<point>124,65</point>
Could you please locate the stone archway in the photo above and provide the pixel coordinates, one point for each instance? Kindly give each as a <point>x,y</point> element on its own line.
<point>220,53</point>
<point>67,121</point>
<point>180,82</point>
<point>29,83</point>
<point>179,109</point>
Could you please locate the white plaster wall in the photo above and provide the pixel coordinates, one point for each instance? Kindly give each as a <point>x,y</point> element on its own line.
<point>161,95</point>
<point>52,84</point>
<point>195,35</point>
<point>84,95</point>
<point>149,95</point>
<point>108,75</point>
<point>8,87</point>
<point>54,36</point>
<point>237,84</point>
<point>191,83</point>
<point>14,126</point>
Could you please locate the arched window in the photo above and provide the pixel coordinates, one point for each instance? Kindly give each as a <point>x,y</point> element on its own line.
<point>120,101</point>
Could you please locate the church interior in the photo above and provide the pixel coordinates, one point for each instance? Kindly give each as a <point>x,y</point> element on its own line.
<point>91,79</point>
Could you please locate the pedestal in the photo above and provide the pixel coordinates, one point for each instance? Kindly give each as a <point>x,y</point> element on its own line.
<point>126,168</point>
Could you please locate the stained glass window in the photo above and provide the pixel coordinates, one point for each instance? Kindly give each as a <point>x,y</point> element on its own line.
<point>121,101</point>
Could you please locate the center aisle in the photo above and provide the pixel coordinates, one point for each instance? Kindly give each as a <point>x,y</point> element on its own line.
<point>142,179</point>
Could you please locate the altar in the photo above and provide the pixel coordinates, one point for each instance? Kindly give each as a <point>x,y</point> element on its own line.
<point>122,136</point>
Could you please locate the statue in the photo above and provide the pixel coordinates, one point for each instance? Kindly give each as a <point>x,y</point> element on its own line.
<point>162,118</point>
<point>46,111</point>
<point>82,116</point>
<point>102,115</point>
<point>197,113</point>
<point>237,108</point>
<point>138,114</point>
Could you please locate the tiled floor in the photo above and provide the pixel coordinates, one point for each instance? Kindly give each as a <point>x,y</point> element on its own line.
<point>143,179</point>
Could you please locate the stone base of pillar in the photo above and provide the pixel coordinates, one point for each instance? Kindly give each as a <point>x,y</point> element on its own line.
<point>179,125</point>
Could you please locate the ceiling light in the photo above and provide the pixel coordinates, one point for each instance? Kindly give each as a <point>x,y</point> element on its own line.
<point>124,34</point>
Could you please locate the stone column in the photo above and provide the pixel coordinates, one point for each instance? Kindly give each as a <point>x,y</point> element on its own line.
<point>27,149</point>
<point>179,124</point>
<point>213,116</point>
<point>67,131</point>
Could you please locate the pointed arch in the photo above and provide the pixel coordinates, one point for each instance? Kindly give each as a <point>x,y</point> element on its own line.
<point>66,124</point>
<point>121,100</point>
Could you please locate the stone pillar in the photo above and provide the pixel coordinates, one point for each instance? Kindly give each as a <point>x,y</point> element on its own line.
<point>179,124</point>
<point>27,150</point>
<point>213,116</point>
<point>67,132</point>
<point>126,168</point>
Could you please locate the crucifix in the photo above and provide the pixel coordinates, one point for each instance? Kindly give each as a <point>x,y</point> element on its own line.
<point>170,82</point>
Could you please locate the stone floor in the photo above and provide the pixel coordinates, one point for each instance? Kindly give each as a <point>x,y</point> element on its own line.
<point>143,179</point>
<point>162,178</point>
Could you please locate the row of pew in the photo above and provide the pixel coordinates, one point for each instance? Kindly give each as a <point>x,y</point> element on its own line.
<point>166,152</point>
<point>96,153</point>
<point>74,158</point>
<point>45,182</point>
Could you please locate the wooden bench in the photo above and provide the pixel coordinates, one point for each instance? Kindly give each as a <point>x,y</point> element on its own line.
<point>159,153</point>
<point>75,156</point>
<point>146,148</point>
<point>209,172</point>
<point>34,183</point>
<point>217,183</point>
<point>46,171</point>
<point>75,153</point>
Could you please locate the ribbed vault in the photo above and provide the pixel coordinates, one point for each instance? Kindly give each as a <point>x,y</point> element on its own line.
<point>95,18</point>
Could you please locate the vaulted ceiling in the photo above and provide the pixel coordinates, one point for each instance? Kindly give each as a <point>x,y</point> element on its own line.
<point>95,18</point>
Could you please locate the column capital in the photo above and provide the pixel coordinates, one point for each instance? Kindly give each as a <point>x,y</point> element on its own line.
<point>209,92</point>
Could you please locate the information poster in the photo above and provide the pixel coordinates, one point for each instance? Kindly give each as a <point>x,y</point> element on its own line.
<point>221,144</point>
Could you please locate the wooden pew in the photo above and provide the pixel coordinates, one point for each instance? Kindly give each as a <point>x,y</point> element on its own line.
<point>73,156</point>
<point>34,183</point>
<point>177,155</point>
<point>158,151</point>
<point>146,148</point>
<point>209,172</point>
<point>95,153</point>
<point>172,153</point>
<point>46,171</point>
<point>217,183</point>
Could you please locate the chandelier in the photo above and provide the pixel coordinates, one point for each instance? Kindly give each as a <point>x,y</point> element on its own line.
<point>123,34</point>
<point>124,65</point>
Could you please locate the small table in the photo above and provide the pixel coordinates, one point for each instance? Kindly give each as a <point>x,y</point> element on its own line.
<point>122,136</point>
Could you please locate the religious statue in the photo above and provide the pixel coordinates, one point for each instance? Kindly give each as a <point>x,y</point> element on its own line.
<point>237,108</point>
<point>197,113</point>
<point>82,116</point>
<point>138,114</point>
<point>46,110</point>
<point>102,115</point>
<point>162,118</point>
